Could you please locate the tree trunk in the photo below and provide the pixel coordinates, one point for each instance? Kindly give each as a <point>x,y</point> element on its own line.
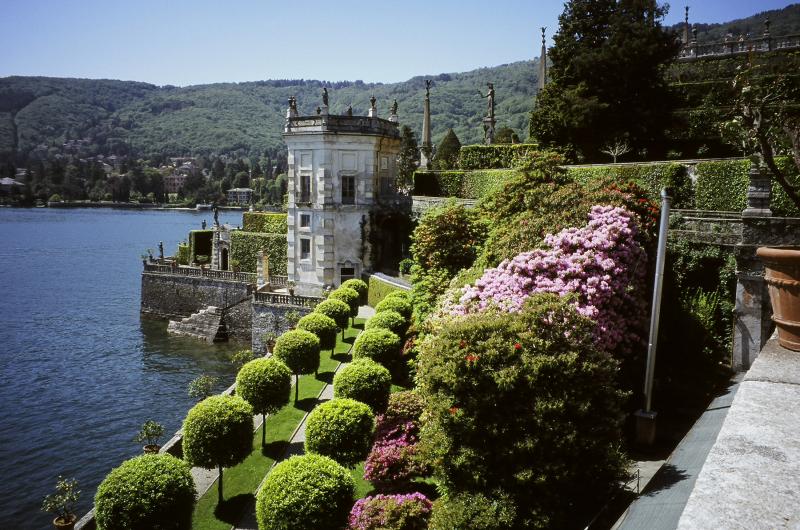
<point>296,387</point>
<point>263,430</point>
<point>219,486</point>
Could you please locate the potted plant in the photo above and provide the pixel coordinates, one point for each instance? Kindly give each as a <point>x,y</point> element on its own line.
<point>290,285</point>
<point>151,432</point>
<point>782,274</point>
<point>269,339</point>
<point>62,503</point>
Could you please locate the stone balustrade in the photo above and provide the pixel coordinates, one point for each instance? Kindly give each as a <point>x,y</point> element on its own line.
<point>182,270</point>
<point>286,299</point>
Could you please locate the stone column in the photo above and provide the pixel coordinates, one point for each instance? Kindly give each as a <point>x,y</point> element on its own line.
<point>425,151</point>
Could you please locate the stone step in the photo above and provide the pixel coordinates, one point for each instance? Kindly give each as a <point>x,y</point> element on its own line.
<point>206,325</point>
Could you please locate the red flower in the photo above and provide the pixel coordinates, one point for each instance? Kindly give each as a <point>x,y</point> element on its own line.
<point>517,346</point>
<point>462,344</point>
<point>471,357</point>
<point>453,410</point>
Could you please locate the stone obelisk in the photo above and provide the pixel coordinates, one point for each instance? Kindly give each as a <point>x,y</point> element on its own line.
<point>427,147</point>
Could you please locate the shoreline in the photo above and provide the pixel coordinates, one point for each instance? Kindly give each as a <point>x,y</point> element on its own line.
<point>134,206</point>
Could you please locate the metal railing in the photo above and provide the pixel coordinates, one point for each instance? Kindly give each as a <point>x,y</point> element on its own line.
<point>287,299</point>
<point>183,270</point>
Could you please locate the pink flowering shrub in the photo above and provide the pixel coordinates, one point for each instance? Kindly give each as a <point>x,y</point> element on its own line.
<point>601,264</point>
<point>391,512</point>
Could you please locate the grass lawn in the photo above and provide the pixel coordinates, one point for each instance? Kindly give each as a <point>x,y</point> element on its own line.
<point>240,482</point>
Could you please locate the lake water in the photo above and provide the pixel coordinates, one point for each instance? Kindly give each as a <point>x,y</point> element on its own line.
<point>80,371</point>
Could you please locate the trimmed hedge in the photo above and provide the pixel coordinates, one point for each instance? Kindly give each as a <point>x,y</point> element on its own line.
<point>380,345</point>
<point>299,349</point>
<point>395,303</point>
<point>462,184</point>
<point>402,295</point>
<point>651,177</point>
<point>391,320</point>
<point>149,491</point>
<point>359,286</point>
<point>378,289</point>
<point>245,247</point>
<point>723,186</point>
<point>341,429</point>
<point>182,255</point>
<point>335,309</point>
<point>307,491</point>
<point>265,223</point>
<point>495,156</point>
<point>323,326</point>
<point>366,381</point>
<point>200,244</point>
<point>348,296</point>
<point>218,431</point>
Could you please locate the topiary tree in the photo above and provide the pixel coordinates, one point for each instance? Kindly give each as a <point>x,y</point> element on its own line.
<point>378,344</point>
<point>366,381</point>
<point>149,491</point>
<point>349,297</point>
<point>523,384</point>
<point>299,350</point>
<point>447,152</point>
<point>323,326</point>
<point>359,286</point>
<point>391,320</point>
<point>403,295</point>
<point>307,491</point>
<point>395,303</point>
<point>266,384</point>
<point>218,432</point>
<point>336,309</point>
<point>341,429</point>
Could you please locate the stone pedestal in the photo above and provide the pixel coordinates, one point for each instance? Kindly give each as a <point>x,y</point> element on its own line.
<point>488,130</point>
<point>758,191</point>
<point>752,323</point>
<point>645,427</point>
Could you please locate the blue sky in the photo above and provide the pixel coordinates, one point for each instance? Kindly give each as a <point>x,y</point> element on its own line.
<point>183,42</point>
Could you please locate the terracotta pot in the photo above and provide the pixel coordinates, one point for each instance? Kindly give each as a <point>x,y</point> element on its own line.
<point>783,278</point>
<point>60,524</point>
<point>151,449</point>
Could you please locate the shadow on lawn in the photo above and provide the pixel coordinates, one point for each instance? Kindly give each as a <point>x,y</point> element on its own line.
<point>275,450</point>
<point>306,404</point>
<point>325,377</point>
<point>230,510</point>
<point>342,357</point>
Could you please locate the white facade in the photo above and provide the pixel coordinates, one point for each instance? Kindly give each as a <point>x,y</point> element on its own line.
<point>339,169</point>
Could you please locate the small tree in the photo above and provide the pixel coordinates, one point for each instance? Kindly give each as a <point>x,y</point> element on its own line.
<point>149,491</point>
<point>366,381</point>
<point>616,149</point>
<point>506,135</point>
<point>266,384</point>
<point>380,345</point>
<point>151,432</point>
<point>341,429</point>
<point>299,350</point>
<point>242,357</point>
<point>349,297</point>
<point>360,286</point>
<point>396,304</point>
<point>391,320</point>
<point>337,310</point>
<point>202,386</point>
<point>447,152</point>
<point>323,326</point>
<point>62,502</point>
<point>307,491</point>
<point>218,432</point>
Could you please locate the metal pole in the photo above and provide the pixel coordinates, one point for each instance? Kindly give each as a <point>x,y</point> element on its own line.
<point>656,311</point>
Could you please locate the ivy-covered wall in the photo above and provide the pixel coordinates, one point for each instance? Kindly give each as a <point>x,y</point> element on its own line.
<point>463,184</point>
<point>722,185</point>
<point>245,247</point>
<point>651,177</point>
<point>379,289</point>
<point>496,156</point>
<point>267,223</point>
<point>200,242</point>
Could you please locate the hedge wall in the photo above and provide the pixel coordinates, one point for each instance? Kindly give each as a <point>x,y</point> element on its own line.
<point>182,256</point>
<point>266,223</point>
<point>651,177</point>
<point>723,186</point>
<point>378,289</point>
<point>200,242</point>
<point>462,184</point>
<point>496,156</point>
<point>245,247</point>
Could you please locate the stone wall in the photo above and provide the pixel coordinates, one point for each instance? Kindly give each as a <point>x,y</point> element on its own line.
<point>271,318</point>
<point>171,296</point>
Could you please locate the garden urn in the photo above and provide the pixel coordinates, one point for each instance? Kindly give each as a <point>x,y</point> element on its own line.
<point>782,274</point>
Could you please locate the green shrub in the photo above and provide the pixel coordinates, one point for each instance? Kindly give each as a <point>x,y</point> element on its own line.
<point>493,156</point>
<point>359,286</point>
<point>391,320</point>
<point>397,304</point>
<point>200,242</point>
<point>266,384</point>
<point>341,429</point>
<point>527,392</point>
<point>366,381</point>
<point>448,238</point>
<point>182,256</point>
<point>402,295</point>
<point>378,289</point>
<point>149,491</point>
<point>246,245</point>
<point>218,432</point>
<point>651,177</point>
<point>337,310</point>
<point>473,184</point>
<point>323,326</point>
<point>55,198</point>
<point>299,350</point>
<point>264,222</point>
<point>380,345</point>
<point>308,491</point>
<point>349,297</point>
<point>474,511</point>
